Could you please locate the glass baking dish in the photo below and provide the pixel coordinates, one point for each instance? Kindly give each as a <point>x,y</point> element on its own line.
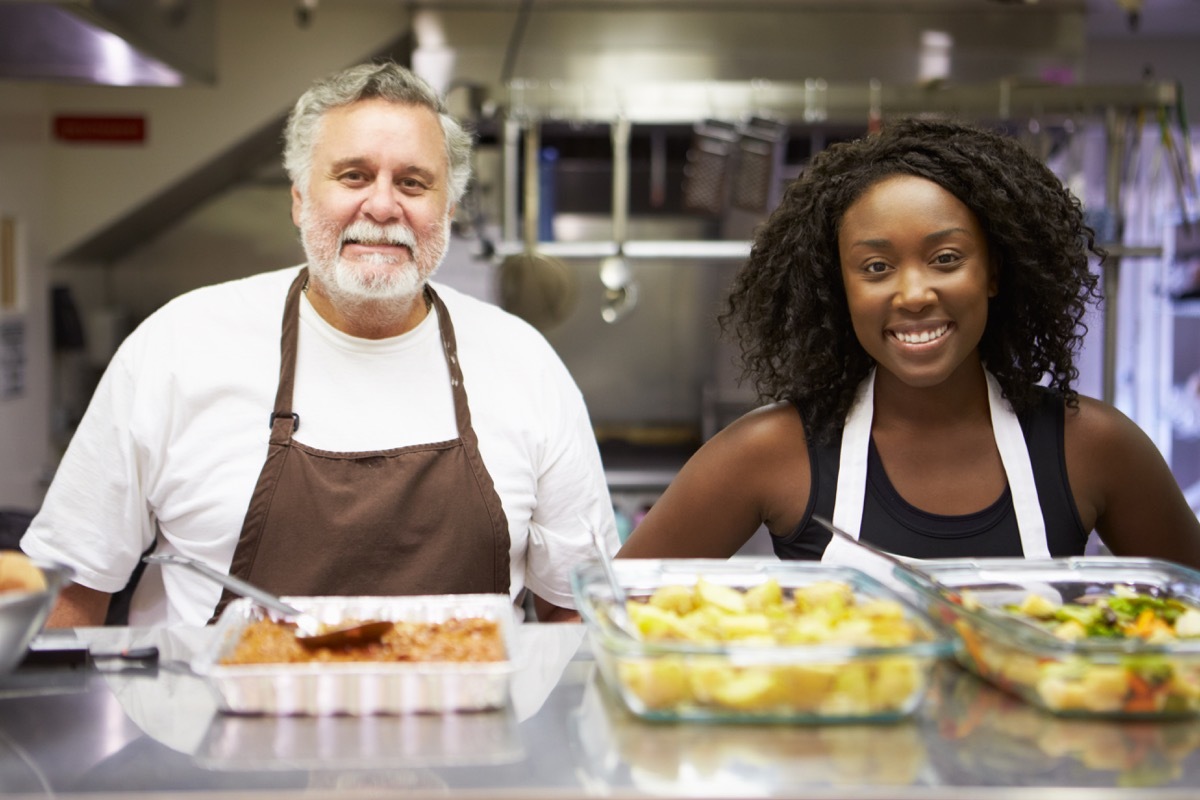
<point>362,688</point>
<point>760,678</point>
<point>1091,676</point>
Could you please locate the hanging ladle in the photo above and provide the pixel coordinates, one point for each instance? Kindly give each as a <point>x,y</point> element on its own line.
<point>310,631</point>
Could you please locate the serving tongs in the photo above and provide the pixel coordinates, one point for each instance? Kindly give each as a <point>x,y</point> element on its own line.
<point>310,631</point>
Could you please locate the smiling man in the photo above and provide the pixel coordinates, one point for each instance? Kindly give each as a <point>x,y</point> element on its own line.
<point>347,427</point>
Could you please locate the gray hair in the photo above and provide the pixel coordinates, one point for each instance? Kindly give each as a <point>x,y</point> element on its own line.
<point>386,81</point>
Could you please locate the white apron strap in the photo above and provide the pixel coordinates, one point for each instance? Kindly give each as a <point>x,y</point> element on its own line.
<point>1014,455</point>
<point>852,464</point>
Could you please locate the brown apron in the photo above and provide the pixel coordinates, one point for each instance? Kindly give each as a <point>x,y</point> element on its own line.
<point>423,519</point>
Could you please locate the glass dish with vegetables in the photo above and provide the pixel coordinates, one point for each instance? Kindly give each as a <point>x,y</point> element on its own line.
<point>1086,636</point>
<point>753,640</point>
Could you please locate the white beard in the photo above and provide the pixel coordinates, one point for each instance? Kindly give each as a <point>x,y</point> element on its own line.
<point>375,279</point>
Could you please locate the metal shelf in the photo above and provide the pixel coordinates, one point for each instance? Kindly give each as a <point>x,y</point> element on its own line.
<point>687,249</point>
<point>817,100</point>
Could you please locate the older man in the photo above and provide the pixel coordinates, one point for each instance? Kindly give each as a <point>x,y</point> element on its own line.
<point>391,436</point>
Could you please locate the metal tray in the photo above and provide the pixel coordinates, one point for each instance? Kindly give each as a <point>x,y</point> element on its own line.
<point>365,688</point>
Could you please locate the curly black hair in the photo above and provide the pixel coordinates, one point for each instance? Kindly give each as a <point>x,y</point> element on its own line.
<point>787,304</point>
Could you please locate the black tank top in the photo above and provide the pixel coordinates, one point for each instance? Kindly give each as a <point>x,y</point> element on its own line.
<point>893,524</point>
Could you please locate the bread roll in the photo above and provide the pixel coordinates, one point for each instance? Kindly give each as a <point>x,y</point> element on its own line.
<point>19,574</point>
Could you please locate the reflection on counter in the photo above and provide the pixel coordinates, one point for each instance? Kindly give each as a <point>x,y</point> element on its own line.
<point>618,749</point>
<point>342,743</point>
<point>1005,737</point>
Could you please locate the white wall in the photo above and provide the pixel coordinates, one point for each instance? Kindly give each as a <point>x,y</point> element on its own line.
<point>24,419</point>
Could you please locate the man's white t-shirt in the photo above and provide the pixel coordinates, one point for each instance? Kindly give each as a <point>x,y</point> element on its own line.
<point>175,436</point>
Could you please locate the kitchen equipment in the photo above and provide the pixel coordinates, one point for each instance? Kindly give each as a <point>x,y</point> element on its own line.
<point>363,688</point>
<point>762,144</point>
<point>790,662</point>
<point>705,174</point>
<point>310,631</point>
<point>1089,676</point>
<point>533,285</point>
<point>23,614</point>
<point>620,288</point>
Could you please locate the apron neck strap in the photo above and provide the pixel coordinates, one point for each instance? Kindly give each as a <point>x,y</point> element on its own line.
<point>284,421</point>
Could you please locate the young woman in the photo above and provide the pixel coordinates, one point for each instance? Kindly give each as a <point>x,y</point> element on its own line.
<point>913,308</point>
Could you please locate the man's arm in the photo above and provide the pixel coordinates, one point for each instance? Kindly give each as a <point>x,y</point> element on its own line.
<point>79,607</point>
<point>548,612</point>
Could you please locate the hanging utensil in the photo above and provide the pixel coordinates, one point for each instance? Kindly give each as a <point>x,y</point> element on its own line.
<point>620,288</point>
<point>619,611</point>
<point>310,631</point>
<point>533,285</point>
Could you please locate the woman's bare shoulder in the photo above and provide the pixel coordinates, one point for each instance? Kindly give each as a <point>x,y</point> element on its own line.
<point>767,433</point>
<point>1099,428</point>
<point>1124,487</point>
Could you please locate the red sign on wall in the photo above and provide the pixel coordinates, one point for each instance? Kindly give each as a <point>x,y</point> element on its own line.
<point>100,129</point>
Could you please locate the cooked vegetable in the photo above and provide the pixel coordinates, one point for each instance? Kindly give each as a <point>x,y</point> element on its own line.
<point>1124,614</point>
<point>1081,680</point>
<point>763,615</point>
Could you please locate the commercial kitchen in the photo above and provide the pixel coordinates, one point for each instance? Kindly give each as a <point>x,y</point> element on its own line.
<point>626,152</point>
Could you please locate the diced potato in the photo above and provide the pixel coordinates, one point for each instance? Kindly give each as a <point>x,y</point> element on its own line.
<point>724,598</point>
<point>828,594</point>
<point>1070,631</point>
<point>658,683</point>
<point>744,626</point>
<point>1105,686</point>
<point>1062,694</point>
<point>654,623</point>
<point>882,609</point>
<point>1034,605</point>
<point>806,686</point>
<point>896,679</point>
<point>673,598</point>
<point>747,690</point>
<point>1019,669</point>
<point>705,679</point>
<point>765,595</point>
<point>1188,624</point>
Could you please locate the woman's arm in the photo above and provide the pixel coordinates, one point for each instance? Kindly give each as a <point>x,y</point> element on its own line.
<point>1124,488</point>
<point>755,471</point>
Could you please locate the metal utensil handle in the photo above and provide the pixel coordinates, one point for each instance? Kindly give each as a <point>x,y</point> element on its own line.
<point>891,558</point>
<point>606,564</point>
<point>235,585</point>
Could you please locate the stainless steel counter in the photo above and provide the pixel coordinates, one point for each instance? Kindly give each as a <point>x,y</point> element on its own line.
<point>125,730</point>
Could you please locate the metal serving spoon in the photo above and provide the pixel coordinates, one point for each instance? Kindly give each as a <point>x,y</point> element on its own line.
<point>310,631</point>
<point>618,613</point>
<point>892,561</point>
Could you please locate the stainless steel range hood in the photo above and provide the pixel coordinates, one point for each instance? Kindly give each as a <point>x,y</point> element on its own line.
<point>108,42</point>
